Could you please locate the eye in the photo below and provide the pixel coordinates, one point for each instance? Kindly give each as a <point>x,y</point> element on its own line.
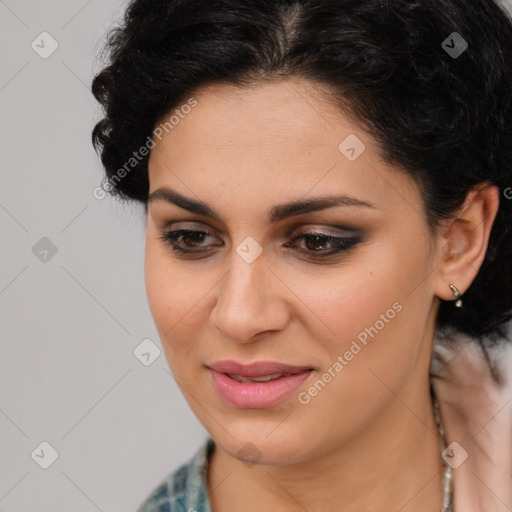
<point>316,242</point>
<point>175,238</point>
<point>188,242</point>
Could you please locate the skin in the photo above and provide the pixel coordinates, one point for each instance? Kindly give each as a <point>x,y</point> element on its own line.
<point>368,440</point>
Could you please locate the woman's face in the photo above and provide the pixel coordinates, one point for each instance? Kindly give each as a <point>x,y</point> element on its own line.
<point>253,289</point>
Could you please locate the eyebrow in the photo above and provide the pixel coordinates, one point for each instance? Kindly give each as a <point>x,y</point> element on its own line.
<point>277,213</point>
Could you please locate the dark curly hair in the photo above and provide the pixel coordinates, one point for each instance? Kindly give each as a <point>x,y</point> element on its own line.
<point>444,119</point>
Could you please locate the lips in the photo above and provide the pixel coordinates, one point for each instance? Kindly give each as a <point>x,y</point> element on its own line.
<point>258,369</point>
<point>258,385</point>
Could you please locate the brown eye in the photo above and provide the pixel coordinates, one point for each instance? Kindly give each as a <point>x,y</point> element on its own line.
<point>183,240</point>
<point>315,244</point>
<point>319,243</point>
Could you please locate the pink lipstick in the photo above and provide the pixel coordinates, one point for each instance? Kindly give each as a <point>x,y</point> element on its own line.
<point>257,385</point>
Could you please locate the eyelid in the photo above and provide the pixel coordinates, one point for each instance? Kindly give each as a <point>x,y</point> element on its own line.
<point>189,225</point>
<point>328,230</point>
<point>337,230</point>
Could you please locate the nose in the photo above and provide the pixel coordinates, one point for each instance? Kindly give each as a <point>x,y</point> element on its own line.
<point>250,301</point>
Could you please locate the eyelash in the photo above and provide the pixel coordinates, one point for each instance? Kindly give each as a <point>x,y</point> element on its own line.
<point>342,244</point>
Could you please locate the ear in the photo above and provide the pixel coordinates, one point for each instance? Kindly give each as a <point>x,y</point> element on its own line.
<point>462,242</point>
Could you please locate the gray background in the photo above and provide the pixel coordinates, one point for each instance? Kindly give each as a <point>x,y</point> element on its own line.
<point>70,325</point>
<point>72,320</point>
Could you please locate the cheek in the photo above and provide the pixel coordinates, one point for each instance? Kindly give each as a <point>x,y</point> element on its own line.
<point>369,315</point>
<point>178,306</point>
<point>377,335</point>
<point>169,293</point>
<point>161,286</point>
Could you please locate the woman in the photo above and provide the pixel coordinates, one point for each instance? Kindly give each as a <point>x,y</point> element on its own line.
<point>327,187</point>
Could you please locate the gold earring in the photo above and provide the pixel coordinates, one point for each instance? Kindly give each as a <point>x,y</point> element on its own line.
<point>458,302</point>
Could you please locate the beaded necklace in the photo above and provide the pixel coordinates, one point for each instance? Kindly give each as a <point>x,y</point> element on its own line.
<point>448,475</point>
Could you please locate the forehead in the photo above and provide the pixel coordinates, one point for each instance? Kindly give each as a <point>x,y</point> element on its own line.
<point>269,142</point>
<point>277,113</point>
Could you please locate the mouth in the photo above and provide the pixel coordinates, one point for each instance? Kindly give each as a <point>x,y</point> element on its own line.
<point>259,385</point>
<point>252,380</point>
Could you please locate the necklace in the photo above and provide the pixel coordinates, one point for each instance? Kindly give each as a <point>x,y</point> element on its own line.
<point>447,475</point>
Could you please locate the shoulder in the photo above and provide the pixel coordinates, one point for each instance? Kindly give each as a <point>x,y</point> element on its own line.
<point>185,489</point>
<point>473,382</point>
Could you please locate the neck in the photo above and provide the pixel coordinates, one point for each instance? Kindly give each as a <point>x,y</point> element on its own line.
<point>394,464</point>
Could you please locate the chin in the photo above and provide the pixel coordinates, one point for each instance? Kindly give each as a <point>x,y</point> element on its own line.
<point>252,446</point>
